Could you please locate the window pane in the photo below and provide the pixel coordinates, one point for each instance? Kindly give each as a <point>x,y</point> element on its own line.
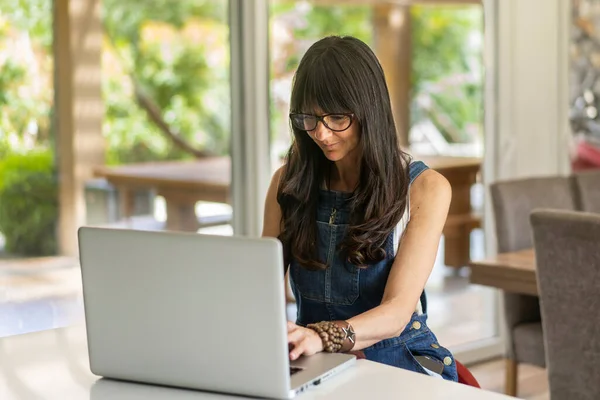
<point>167,95</point>
<point>28,184</point>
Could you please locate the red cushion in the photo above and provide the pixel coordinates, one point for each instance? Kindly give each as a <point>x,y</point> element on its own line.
<point>465,376</point>
<point>587,157</point>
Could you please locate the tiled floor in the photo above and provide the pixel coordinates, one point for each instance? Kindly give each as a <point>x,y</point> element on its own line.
<point>39,294</point>
<point>459,312</point>
<point>532,382</point>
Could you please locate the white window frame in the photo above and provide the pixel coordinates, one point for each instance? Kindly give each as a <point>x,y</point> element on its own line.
<point>250,150</point>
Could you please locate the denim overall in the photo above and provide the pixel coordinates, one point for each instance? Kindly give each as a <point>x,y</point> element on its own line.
<point>343,291</point>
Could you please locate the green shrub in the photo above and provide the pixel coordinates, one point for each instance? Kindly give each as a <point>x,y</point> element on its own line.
<point>4,149</point>
<point>29,203</point>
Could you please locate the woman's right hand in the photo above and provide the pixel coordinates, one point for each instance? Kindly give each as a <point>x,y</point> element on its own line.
<point>303,341</point>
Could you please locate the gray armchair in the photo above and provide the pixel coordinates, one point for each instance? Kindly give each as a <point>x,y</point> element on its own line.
<point>568,272</point>
<point>586,185</point>
<point>512,202</point>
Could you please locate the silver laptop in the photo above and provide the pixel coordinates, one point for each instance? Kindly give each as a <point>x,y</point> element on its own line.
<point>193,311</point>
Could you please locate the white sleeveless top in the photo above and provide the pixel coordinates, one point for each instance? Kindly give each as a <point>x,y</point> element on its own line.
<point>401,227</point>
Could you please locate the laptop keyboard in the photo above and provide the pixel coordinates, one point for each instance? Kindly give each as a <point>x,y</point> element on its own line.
<point>293,370</point>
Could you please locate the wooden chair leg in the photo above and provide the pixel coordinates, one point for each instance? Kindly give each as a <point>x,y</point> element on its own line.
<point>511,377</point>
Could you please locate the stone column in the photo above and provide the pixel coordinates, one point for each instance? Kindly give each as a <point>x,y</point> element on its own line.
<point>392,44</point>
<point>78,109</point>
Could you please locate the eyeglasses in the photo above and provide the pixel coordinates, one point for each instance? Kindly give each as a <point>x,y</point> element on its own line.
<point>334,122</point>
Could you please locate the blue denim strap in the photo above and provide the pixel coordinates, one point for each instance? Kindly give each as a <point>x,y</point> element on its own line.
<point>415,169</point>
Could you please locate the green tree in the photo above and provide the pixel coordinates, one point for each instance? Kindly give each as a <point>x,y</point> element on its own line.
<point>165,99</point>
<point>445,68</point>
<point>306,23</point>
<point>25,73</point>
<point>31,16</point>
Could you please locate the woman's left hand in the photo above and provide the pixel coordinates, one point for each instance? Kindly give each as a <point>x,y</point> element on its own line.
<point>303,341</point>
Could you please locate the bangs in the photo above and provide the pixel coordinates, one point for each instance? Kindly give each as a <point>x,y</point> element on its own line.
<point>323,89</point>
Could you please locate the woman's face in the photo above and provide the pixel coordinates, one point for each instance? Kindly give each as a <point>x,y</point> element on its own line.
<point>335,144</point>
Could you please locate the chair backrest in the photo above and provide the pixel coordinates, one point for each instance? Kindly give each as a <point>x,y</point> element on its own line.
<point>586,185</point>
<point>567,246</point>
<point>513,201</point>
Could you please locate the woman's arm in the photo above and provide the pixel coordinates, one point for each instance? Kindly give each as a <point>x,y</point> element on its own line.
<point>305,341</point>
<point>272,212</point>
<point>430,196</point>
<point>272,217</point>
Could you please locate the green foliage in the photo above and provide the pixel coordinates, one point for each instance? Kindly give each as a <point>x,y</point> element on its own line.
<point>306,23</point>
<point>32,16</point>
<point>176,52</point>
<point>4,148</point>
<point>11,75</point>
<point>322,21</point>
<point>24,113</point>
<point>445,65</point>
<point>127,131</point>
<point>29,203</point>
<point>441,41</point>
<point>446,57</point>
<point>25,72</point>
<point>125,19</point>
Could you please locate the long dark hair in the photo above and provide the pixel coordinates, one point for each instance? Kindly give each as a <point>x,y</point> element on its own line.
<point>340,75</point>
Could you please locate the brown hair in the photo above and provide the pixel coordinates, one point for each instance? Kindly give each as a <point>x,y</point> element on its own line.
<point>342,74</point>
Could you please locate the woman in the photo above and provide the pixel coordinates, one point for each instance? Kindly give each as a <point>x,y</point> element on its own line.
<point>341,206</point>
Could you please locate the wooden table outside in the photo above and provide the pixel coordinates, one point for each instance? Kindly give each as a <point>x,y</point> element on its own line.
<point>183,183</point>
<point>513,272</point>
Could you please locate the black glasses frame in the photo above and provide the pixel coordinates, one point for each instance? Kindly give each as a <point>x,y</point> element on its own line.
<point>322,119</point>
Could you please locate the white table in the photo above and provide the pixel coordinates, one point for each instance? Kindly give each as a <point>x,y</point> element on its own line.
<point>54,365</point>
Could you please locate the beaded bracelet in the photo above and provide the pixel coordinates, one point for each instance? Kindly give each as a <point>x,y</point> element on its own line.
<point>335,336</point>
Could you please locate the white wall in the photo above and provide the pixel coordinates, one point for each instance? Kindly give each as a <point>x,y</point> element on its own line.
<point>526,127</point>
